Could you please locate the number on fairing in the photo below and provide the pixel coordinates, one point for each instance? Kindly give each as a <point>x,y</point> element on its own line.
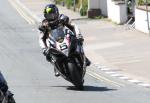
<point>63,46</point>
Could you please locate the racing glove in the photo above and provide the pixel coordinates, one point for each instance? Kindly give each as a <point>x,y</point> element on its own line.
<point>45,51</point>
<point>47,54</point>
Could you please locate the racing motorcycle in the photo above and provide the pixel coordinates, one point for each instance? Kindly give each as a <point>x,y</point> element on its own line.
<point>6,98</point>
<point>5,95</point>
<point>67,55</point>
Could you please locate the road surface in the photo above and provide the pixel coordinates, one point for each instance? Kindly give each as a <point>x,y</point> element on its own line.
<point>31,77</point>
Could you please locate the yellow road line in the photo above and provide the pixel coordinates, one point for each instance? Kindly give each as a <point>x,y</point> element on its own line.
<point>24,15</point>
<point>97,76</point>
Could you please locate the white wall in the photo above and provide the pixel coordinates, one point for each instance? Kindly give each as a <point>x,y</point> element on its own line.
<point>141,20</point>
<point>103,7</point>
<point>93,4</point>
<point>98,4</point>
<point>117,12</point>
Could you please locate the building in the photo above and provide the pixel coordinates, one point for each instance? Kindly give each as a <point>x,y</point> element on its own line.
<point>109,7</point>
<point>121,12</point>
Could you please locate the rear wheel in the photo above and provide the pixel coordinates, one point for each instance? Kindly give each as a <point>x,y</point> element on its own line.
<point>75,75</point>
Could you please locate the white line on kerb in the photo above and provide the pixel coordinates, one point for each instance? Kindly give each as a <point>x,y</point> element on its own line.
<point>134,81</point>
<point>145,85</point>
<point>116,75</point>
<point>109,71</point>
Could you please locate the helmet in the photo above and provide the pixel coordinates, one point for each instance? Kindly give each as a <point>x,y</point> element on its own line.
<point>51,12</point>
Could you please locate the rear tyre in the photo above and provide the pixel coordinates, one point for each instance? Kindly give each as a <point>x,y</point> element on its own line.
<point>75,75</point>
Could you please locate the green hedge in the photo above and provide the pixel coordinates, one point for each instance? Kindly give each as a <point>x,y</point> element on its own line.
<point>84,8</point>
<point>142,2</point>
<point>59,1</point>
<point>70,3</point>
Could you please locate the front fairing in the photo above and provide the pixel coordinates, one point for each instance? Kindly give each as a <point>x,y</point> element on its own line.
<point>65,48</point>
<point>60,39</point>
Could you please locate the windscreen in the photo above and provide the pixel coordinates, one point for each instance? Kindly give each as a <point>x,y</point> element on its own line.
<point>57,34</point>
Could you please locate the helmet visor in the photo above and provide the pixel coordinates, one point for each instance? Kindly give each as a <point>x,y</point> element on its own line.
<point>51,16</point>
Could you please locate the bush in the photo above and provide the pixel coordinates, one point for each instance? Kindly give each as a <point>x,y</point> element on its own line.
<point>143,2</point>
<point>84,8</point>
<point>59,1</point>
<point>78,3</point>
<point>69,3</point>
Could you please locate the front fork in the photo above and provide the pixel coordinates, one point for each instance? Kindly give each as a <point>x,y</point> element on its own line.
<point>60,67</point>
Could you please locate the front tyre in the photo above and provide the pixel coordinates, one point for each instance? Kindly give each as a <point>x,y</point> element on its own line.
<point>75,75</point>
<point>11,100</point>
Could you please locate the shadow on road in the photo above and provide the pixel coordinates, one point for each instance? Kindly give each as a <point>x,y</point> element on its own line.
<point>88,88</point>
<point>92,88</point>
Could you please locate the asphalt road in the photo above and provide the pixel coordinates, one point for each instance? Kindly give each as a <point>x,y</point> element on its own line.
<point>32,80</point>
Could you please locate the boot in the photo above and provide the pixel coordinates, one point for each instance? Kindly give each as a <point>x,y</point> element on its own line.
<point>56,72</point>
<point>88,62</point>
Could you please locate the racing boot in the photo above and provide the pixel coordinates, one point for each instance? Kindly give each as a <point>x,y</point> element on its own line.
<point>88,62</point>
<point>49,58</point>
<point>56,72</point>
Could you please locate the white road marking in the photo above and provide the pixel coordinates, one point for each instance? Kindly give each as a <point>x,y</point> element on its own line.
<point>104,79</point>
<point>145,85</point>
<point>120,76</point>
<point>134,81</point>
<point>105,69</point>
<point>110,72</point>
<point>22,13</point>
<point>116,75</point>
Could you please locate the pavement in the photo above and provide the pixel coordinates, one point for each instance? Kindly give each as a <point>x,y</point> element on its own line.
<point>111,48</point>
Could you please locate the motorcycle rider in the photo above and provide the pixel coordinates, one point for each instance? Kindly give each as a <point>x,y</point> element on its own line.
<point>4,89</point>
<point>51,21</point>
<point>3,84</point>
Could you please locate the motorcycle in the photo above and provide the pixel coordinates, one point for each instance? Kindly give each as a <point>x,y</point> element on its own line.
<point>5,95</point>
<point>6,98</point>
<point>67,55</point>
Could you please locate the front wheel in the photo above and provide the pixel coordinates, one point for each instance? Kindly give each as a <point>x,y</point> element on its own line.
<point>75,75</point>
<point>11,100</point>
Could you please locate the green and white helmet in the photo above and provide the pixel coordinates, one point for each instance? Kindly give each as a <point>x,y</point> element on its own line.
<point>51,12</point>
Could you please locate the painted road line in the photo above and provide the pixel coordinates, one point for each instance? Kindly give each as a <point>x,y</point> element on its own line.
<point>110,72</point>
<point>124,78</point>
<point>105,69</point>
<point>145,85</point>
<point>34,17</point>
<point>24,15</point>
<point>116,75</point>
<point>104,79</point>
<point>134,81</point>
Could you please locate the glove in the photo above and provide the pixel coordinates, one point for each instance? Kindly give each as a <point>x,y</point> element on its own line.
<point>47,54</point>
<point>42,28</point>
<point>64,19</point>
<point>45,51</point>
